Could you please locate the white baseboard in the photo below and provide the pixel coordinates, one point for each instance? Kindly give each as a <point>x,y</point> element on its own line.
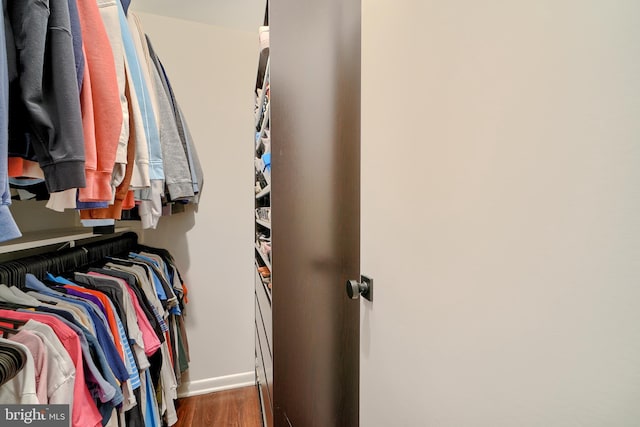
<point>210,385</point>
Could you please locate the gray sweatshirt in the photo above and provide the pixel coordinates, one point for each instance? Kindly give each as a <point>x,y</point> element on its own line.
<point>188,147</point>
<point>177,176</point>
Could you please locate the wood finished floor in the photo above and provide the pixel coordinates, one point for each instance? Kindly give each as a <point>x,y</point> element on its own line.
<point>237,408</point>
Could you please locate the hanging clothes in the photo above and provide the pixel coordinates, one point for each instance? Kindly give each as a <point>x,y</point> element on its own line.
<point>45,121</point>
<point>113,330</point>
<point>105,102</point>
<point>93,121</point>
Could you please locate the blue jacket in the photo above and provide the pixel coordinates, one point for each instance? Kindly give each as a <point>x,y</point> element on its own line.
<point>8,228</point>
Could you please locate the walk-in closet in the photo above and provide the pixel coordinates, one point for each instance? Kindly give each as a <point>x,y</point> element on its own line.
<point>113,137</point>
<point>337,213</point>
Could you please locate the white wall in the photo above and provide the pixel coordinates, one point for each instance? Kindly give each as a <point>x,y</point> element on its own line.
<point>501,213</point>
<point>212,70</point>
<point>243,15</point>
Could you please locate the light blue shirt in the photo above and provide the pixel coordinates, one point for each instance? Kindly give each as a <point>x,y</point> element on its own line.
<point>8,228</point>
<point>141,86</point>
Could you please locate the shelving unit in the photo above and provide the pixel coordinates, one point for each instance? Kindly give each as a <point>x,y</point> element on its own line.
<point>265,192</point>
<point>307,375</point>
<point>263,276</point>
<point>265,286</point>
<point>265,224</point>
<point>264,257</point>
<point>264,114</point>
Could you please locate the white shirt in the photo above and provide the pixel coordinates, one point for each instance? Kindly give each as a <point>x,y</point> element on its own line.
<point>62,374</point>
<point>21,389</point>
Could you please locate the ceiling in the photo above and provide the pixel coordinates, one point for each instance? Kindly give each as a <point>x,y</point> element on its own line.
<point>244,15</point>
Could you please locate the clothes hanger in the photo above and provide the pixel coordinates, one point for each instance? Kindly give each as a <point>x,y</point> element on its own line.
<point>16,361</point>
<point>15,272</point>
<point>13,306</point>
<point>14,322</point>
<point>119,261</point>
<point>3,274</point>
<point>56,286</point>
<point>8,331</point>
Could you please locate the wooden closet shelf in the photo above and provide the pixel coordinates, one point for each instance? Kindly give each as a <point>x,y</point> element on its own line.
<point>266,224</point>
<point>264,258</point>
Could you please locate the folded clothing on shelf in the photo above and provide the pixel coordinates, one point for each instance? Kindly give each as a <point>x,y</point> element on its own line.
<point>263,34</point>
<point>264,214</point>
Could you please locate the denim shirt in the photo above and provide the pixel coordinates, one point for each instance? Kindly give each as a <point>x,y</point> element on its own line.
<point>8,228</point>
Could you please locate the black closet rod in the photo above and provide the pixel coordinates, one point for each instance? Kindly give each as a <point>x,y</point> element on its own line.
<point>57,262</point>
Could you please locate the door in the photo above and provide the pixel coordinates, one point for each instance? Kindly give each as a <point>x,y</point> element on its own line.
<point>500,213</point>
<point>315,129</point>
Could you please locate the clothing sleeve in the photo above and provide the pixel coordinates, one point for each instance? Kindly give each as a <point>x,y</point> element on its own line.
<point>176,168</point>
<point>49,90</point>
<point>109,12</point>
<point>107,110</point>
<point>8,228</point>
<point>181,125</point>
<point>114,211</point>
